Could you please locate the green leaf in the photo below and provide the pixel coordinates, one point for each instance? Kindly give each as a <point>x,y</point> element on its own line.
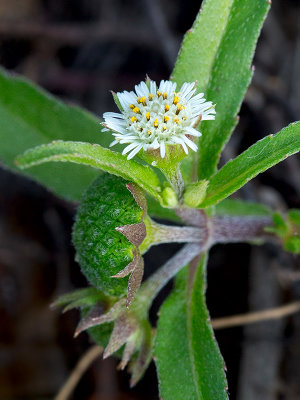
<point>188,360</point>
<point>258,158</point>
<point>240,207</point>
<point>280,227</point>
<point>200,44</point>
<point>80,298</point>
<point>95,156</point>
<point>217,52</point>
<point>230,77</point>
<point>30,117</point>
<point>195,193</point>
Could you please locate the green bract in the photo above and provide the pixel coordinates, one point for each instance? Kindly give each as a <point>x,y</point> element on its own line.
<point>101,250</point>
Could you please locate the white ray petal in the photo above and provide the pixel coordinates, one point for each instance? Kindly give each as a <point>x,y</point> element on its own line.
<point>129,147</point>
<point>162,149</point>
<point>142,89</point>
<point>191,144</point>
<point>113,114</point>
<point>153,87</point>
<point>192,131</point>
<point>134,152</point>
<point>179,140</point>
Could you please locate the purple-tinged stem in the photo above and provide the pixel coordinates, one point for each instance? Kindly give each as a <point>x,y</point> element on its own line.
<point>230,229</point>
<point>161,277</point>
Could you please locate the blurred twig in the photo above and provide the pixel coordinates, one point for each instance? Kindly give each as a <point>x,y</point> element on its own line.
<point>83,364</point>
<point>257,316</point>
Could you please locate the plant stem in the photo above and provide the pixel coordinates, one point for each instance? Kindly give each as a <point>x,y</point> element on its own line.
<point>175,234</point>
<point>160,278</point>
<point>228,229</point>
<point>219,229</point>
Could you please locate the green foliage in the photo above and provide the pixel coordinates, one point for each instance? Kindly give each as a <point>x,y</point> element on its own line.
<point>258,158</point>
<point>242,208</point>
<point>217,52</point>
<point>101,250</point>
<point>188,360</point>
<point>195,193</point>
<point>30,117</point>
<point>292,244</point>
<point>287,229</point>
<point>94,156</point>
<point>81,298</point>
<point>294,216</point>
<point>280,227</point>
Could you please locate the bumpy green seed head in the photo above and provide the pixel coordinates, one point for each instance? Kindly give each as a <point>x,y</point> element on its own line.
<point>102,251</point>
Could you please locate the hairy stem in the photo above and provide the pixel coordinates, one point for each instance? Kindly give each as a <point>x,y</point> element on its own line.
<point>160,278</point>
<point>175,234</point>
<point>229,229</point>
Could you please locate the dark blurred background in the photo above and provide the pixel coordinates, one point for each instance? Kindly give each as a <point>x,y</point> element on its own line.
<point>79,50</point>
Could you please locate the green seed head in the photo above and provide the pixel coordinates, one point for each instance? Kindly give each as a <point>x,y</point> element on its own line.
<point>101,250</point>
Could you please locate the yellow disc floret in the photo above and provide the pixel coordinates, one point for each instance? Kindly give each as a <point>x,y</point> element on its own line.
<point>176,100</point>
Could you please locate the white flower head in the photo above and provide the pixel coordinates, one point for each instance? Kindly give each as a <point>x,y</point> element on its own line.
<point>153,117</point>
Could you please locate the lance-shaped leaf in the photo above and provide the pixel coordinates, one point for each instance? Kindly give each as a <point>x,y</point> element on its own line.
<point>230,77</point>
<point>94,156</point>
<point>258,158</point>
<point>185,340</point>
<point>29,116</point>
<point>217,52</point>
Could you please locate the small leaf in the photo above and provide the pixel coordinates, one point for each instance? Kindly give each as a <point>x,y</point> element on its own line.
<point>93,156</point>
<point>258,158</point>
<point>281,226</point>
<point>188,360</point>
<point>195,193</point>
<point>170,198</point>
